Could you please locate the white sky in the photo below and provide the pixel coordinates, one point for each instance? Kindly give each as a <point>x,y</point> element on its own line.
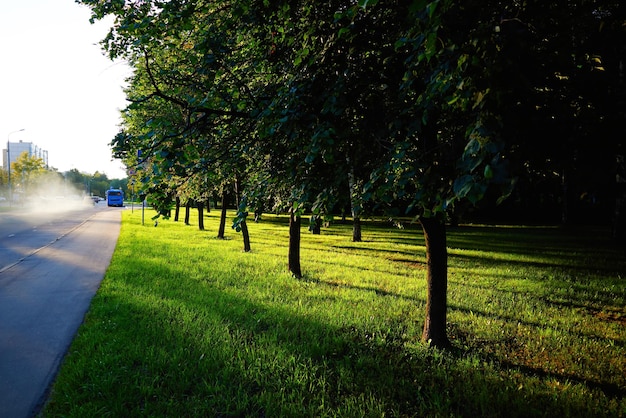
<point>57,84</point>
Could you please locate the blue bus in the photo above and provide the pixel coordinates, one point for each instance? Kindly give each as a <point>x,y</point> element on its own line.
<point>115,197</point>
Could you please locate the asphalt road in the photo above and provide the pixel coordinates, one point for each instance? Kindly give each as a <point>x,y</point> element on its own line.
<point>51,265</point>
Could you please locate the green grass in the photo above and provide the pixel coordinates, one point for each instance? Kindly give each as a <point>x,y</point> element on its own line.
<point>188,325</point>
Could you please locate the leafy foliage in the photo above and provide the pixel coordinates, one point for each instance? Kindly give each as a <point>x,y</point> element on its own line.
<point>429,103</point>
<point>411,107</point>
<point>26,169</point>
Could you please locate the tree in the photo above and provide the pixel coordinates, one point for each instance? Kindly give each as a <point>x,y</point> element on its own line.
<point>320,140</point>
<point>100,183</point>
<point>413,107</point>
<point>188,107</point>
<point>559,73</point>
<point>25,171</point>
<point>4,179</point>
<point>424,145</point>
<point>477,73</point>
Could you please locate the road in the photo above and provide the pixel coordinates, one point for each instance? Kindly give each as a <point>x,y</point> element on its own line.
<point>51,265</point>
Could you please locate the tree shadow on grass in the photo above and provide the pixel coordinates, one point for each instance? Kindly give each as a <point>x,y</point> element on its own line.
<point>344,365</point>
<point>211,349</point>
<point>216,352</point>
<point>473,345</point>
<point>582,247</point>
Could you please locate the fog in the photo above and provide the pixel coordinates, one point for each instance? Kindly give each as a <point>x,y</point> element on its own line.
<point>51,194</point>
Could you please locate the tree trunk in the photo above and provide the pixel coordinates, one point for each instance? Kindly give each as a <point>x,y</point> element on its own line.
<point>177,211</point>
<point>237,191</point>
<point>355,207</point>
<point>316,225</point>
<point>246,236</point>
<point>564,203</point>
<point>619,212</point>
<point>187,210</point>
<point>356,229</point>
<point>208,205</point>
<point>200,216</point>
<point>294,244</point>
<point>437,283</point>
<point>220,232</point>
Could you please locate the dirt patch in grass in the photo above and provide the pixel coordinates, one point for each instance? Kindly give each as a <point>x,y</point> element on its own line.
<point>410,263</point>
<point>609,314</point>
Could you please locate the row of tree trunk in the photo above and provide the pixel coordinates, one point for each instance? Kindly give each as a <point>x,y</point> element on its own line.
<point>434,331</point>
<point>200,206</point>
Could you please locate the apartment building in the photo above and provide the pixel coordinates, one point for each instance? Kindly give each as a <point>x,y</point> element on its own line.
<point>17,148</point>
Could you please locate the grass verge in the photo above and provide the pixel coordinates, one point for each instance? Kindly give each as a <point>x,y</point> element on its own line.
<point>188,325</point>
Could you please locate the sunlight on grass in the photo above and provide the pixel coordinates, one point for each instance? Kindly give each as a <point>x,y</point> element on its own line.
<point>188,325</point>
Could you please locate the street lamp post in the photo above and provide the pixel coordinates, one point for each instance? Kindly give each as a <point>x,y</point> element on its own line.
<point>9,164</point>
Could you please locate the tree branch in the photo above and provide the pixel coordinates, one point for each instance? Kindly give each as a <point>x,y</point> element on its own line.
<point>185,105</point>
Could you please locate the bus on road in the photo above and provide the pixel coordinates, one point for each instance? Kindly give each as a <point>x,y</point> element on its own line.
<point>115,197</point>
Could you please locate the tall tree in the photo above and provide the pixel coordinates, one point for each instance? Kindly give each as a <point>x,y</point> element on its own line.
<point>25,170</point>
<point>416,107</point>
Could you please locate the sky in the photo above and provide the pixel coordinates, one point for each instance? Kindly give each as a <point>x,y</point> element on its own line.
<point>57,84</point>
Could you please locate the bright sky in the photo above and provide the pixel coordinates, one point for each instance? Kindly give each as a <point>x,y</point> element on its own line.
<point>57,85</point>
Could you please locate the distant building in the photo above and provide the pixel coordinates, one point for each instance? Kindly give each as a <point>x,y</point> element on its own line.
<point>17,148</point>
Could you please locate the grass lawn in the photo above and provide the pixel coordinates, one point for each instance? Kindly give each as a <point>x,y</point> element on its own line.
<point>185,324</point>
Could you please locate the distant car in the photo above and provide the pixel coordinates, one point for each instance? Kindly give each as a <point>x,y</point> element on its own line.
<point>2,198</point>
<point>96,199</point>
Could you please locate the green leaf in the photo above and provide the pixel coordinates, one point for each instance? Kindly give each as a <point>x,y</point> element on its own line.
<point>417,6</point>
<point>488,172</point>
<point>342,32</point>
<point>432,7</point>
<point>463,185</point>
<point>364,3</point>
<point>400,43</point>
<point>477,192</point>
<point>430,46</point>
<point>472,147</point>
<point>454,99</point>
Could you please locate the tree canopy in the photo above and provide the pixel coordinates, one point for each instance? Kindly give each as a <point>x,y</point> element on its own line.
<point>26,170</point>
<point>410,107</point>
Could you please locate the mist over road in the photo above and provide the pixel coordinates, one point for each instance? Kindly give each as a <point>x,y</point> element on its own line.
<point>23,231</point>
<point>51,265</point>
